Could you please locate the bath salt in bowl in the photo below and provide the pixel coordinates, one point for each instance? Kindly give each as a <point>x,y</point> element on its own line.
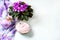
<point>22,27</point>
<point>5,23</point>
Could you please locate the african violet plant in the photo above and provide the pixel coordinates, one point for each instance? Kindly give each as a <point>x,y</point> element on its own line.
<point>21,11</point>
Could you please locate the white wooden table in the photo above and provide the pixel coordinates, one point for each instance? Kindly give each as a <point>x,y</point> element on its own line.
<point>45,23</point>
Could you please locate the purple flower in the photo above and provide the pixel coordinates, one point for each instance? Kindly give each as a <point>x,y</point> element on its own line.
<point>18,6</point>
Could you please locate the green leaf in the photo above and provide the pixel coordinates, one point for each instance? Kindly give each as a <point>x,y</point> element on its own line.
<point>13,16</point>
<point>11,8</point>
<point>25,14</point>
<point>22,17</point>
<point>10,13</point>
<point>23,3</point>
<point>26,18</point>
<point>29,7</point>
<point>30,10</point>
<point>30,15</point>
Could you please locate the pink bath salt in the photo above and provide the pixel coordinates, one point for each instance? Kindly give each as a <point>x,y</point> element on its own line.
<point>5,23</point>
<point>22,27</point>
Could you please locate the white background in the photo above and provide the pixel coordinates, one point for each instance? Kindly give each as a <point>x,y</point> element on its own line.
<point>45,23</point>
